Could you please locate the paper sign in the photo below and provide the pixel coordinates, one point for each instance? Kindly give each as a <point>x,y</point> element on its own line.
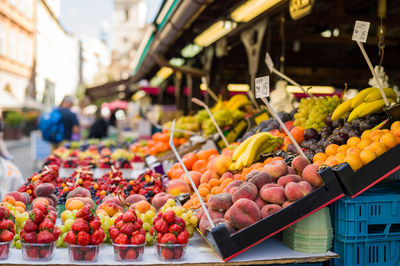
<point>150,160</point>
<point>262,87</point>
<point>360,32</point>
<point>268,62</point>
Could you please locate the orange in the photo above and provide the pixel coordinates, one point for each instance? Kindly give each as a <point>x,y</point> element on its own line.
<point>353,141</point>
<point>319,163</point>
<point>74,204</point>
<point>205,185</point>
<point>331,162</point>
<point>214,182</point>
<point>378,148</point>
<point>203,191</point>
<point>367,155</point>
<point>353,151</point>
<point>19,209</point>
<point>205,154</point>
<point>375,135</point>
<point>395,125</point>
<point>9,199</point>
<point>298,133</point>
<point>366,133</point>
<point>208,197</point>
<point>396,132</point>
<point>320,156</point>
<point>342,148</point>
<point>331,149</point>
<point>102,212</point>
<point>268,160</point>
<point>354,162</point>
<point>389,140</point>
<point>200,165</point>
<point>216,190</point>
<point>189,159</point>
<point>20,204</point>
<point>142,206</point>
<point>339,157</point>
<point>226,182</point>
<point>363,143</point>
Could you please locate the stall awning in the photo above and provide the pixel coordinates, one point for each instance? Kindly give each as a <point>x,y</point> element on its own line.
<point>107,89</point>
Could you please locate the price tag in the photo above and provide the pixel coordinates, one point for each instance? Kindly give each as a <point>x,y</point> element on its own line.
<point>360,32</point>
<point>268,62</point>
<point>262,87</point>
<point>150,160</point>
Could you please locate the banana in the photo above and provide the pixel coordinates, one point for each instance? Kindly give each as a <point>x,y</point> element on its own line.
<point>237,101</point>
<point>367,108</point>
<point>241,148</point>
<point>376,95</point>
<point>251,151</point>
<point>342,109</point>
<point>359,98</point>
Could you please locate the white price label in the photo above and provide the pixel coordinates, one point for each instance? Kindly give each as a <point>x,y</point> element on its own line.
<point>268,62</point>
<point>360,32</point>
<point>262,87</point>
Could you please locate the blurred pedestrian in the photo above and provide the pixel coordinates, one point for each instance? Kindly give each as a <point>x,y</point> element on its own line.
<point>69,119</point>
<point>99,128</point>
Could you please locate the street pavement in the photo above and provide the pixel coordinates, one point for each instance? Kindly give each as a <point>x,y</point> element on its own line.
<point>22,159</point>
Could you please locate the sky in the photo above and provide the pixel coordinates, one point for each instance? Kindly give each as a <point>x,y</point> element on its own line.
<point>91,17</point>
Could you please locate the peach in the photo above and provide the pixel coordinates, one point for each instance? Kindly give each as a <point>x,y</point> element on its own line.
<point>283,180</point>
<point>142,206</point>
<point>227,175</point>
<point>222,201</point>
<point>79,192</point>
<point>49,200</point>
<point>160,199</point>
<point>86,200</point>
<point>54,198</point>
<point>273,194</point>
<point>246,190</point>
<point>204,223</point>
<point>227,224</point>
<point>207,176</point>
<point>260,202</point>
<point>44,190</point>
<point>259,179</point>
<point>222,164</point>
<point>270,209</point>
<point>233,186</point>
<point>176,187</point>
<point>293,191</point>
<point>18,197</point>
<point>27,198</point>
<point>286,203</point>
<point>299,163</point>
<point>306,187</point>
<point>276,169</point>
<point>136,198</point>
<point>251,174</point>
<point>195,175</point>
<point>291,170</point>
<point>311,175</point>
<point>211,165</point>
<point>110,207</point>
<point>243,213</point>
<point>74,204</point>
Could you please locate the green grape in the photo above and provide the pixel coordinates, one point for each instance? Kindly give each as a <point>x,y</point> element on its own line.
<point>149,238</point>
<point>146,226</point>
<point>18,244</point>
<point>68,223</point>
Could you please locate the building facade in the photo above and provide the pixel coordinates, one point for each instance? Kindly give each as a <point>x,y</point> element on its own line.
<point>17,50</point>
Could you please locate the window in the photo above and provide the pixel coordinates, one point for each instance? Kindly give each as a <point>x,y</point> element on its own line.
<point>12,44</point>
<point>28,9</point>
<point>28,51</point>
<point>21,6</point>
<point>3,43</point>
<point>13,2</point>
<point>20,51</point>
<point>126,14</point>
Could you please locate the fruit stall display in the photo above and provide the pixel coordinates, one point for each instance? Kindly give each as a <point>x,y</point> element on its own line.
<point>252,189</point>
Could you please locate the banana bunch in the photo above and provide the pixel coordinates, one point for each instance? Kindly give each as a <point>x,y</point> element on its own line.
<point>366,102</point>
<point>237,101</point>
<point>251,149</point>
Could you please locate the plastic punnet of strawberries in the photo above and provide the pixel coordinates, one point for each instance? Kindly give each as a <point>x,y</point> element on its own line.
<point>7,231</point>
<point>85,235</point>
<point>172,237</point>
<point>128,236</point>
<point>39,233</point>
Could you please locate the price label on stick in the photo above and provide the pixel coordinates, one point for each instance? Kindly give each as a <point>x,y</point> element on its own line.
<point>262,87</point>
<point>360,32</point>
<point>269,63</point>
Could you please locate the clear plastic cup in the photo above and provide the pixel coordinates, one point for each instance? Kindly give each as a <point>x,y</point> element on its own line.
<point>4,250</point>
<point>128,252</point>
<point>170,252</point>
<point>37,252</point>
<point>80,253</point>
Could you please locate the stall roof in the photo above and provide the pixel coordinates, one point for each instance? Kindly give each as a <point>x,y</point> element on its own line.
<point>108,89</point>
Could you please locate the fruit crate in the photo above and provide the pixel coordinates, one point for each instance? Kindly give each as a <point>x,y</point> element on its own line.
<point>375,214</point>
<point>228,246</point>
<point>356,182</point>
<point>370,252</point>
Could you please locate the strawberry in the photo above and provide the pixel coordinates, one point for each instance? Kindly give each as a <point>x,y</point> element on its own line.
<point>143,232</point>
<point>168,238</point>
<point>178,253</point>
<point>6,236</point>
<point>121,239</point>
<point>87,213</point>
<point>119,224</point>
<point>179,221</point>
<point>77,254</point>
<point>32,252</point>
<point>2,212</point>
<point>43,253</point>
<point>51,218</point>
<point>11,226</point>
<point>56,232</point>
<point>45,236</point>
<point>129,216</point>
<point>113,231</point>
<point>80,225</point>
<point>127,229</point>
<point>3,224</point>
<point>95,224</point>
<point>131,254</point>
<point>36,215</point>
<point>167,253</point>
<point>175,229</point>
<point>30,226</point>
<point>137,239</point>
<point>119,218</point>
<point>169,216</point>
<point>46,225</point>
<point>89,255</point>
<point>158,217</point>
<point>97,237</point>
<point>42,207</point>
<point>161,226</point>
<point>29,237</point>
<point>83,238</point>
<point>159,236</point>
<point>70,238</point>
<point>183,237</point>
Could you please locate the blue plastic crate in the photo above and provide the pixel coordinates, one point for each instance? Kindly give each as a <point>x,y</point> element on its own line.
<point>371,252</point>
<point>300,264</point>
<point>375,214</point>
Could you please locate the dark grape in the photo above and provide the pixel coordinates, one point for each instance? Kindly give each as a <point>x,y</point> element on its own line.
<point>356,123</point>
<point>338,123</point>
<point>364,125</point>
<point>327,143</point>
<point>328,121</point>
<point>291,148</point>
<point>336,130</point>
<point>314,147</point>
<point>345,130</point>
<point>293,112</point>
<point>340,139</point>
<point>319,150</point>
<point>321,143</point>
<point>310,133</point>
